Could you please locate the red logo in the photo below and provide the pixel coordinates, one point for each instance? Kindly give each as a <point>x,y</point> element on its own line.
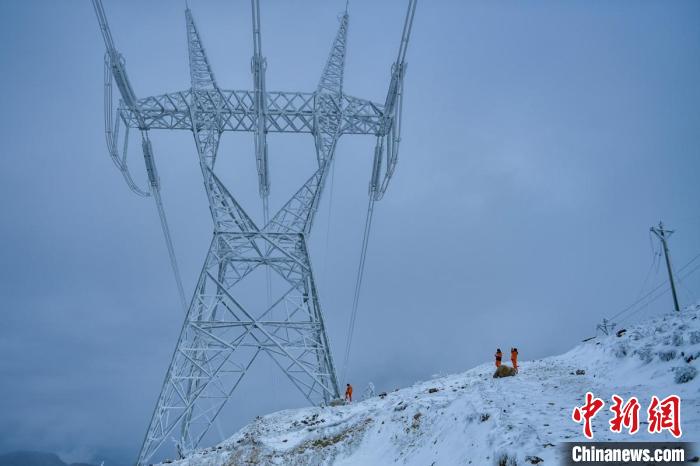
<point>587,412</point>
<point>665,415</point>
<point>661,415</point>
<point>625,416</point>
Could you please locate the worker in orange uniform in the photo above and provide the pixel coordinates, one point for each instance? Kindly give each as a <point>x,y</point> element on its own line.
<point>348,393</point>
<point>499,356</point>
<point>514,358</point>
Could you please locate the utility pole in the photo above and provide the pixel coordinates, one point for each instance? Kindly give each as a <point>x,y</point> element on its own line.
<point>606,326</point>
<point>663,235</point>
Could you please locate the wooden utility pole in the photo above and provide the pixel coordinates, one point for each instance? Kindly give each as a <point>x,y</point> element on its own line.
<point>663,235</point>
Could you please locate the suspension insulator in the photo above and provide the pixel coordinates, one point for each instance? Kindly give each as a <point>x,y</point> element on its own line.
<point>150,164</point>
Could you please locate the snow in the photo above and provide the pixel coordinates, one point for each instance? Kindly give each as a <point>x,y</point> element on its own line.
<point>476,419</point>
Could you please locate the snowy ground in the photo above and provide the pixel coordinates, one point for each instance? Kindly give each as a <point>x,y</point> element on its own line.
<point>475,419</point>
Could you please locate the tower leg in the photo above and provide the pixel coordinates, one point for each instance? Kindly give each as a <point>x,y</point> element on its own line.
<point>223,335</point>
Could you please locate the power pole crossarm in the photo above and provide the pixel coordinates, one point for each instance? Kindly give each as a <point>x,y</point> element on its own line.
<point>663,235</point>
<point>286,112</point>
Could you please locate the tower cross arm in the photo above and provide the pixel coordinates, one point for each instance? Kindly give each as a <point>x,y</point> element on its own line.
<point>287,112</point>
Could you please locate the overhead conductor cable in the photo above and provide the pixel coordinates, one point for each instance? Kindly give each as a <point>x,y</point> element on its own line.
<point>377,188</point>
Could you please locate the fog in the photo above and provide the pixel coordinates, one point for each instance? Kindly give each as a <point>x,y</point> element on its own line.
<point>541,141</point>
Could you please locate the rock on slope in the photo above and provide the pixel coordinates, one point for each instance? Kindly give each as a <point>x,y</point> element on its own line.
<point>475,419</point>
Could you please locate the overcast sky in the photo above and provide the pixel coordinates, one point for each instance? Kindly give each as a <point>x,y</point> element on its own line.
<point>542,140</point>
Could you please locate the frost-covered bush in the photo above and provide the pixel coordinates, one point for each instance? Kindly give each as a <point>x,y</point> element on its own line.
<point>645,353</point>
<point>620,349</point>
<point>506,460</point>
<point>667,355</point>
<point>684,374</point>
<point>694,337</point>
<point>677,339</point>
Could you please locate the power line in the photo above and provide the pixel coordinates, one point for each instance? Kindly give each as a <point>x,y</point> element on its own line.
<point>358,286</point>
<point>330,214</point>
<point>658,287</point>
<point>656,253</point>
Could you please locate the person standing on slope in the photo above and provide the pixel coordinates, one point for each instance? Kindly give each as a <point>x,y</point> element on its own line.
<point>499,356</point>
<point>514,358</point>
<point>348,393</point>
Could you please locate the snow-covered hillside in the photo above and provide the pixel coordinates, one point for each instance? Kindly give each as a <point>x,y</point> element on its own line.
<point>473,418</point>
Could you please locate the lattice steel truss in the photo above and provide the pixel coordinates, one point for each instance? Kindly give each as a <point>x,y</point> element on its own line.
<point>222,336</point>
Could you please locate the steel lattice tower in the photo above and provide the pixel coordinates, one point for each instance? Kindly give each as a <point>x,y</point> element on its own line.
<point>222,337</point>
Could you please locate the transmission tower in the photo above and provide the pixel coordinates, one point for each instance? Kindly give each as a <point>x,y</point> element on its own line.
<point>222,336</point>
